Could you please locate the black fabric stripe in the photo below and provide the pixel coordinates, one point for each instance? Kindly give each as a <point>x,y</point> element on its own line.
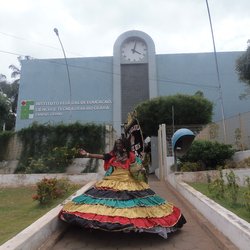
<point>119,195</point>
<point>75,220</point>
<point>181,222</point>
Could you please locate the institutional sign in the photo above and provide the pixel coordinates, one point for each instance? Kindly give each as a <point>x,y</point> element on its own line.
<point>31,109</point>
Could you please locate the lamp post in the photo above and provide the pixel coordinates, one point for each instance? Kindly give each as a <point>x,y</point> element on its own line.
<point>67,68</point>
<point>218,75</point>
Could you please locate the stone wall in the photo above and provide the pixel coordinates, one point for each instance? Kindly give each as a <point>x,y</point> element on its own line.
<point>201,176</point>
<point>17,180</point>
<point>241,155</point>
<point>14,149</point>
<point>12,155</point>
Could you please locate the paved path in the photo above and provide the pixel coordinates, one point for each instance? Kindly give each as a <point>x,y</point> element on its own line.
<point>197,234</point>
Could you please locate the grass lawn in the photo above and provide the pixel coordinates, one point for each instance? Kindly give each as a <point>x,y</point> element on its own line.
<point>237,209</point>
<point>18,210</point>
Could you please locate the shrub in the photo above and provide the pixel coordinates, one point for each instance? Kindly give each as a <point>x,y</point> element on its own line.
<point>229,164</point>
<point>190,167</point>
<point>50,189</point>
<point>246,194</point>
<point>208,154</point>
<point>232,187</point>
<point>217,187</point>
<point>55,162</point>
<point>36,166</point>
<point>60,158</point>
<point>244,163</point>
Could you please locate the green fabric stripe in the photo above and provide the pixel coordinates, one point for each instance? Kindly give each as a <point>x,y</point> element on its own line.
<point>147,201</point>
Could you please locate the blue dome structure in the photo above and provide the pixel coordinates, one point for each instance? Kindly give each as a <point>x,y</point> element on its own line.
<point>182,140</point>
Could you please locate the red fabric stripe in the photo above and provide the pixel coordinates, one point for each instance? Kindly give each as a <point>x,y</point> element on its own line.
<point>166,221</point>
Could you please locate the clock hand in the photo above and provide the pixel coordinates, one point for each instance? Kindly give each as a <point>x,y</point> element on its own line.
<point>135,45</point>
<point>133,50</point>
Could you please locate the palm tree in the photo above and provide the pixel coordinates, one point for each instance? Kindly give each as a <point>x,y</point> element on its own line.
<point>16,72</point>
<point>12,90</point>
<point>4,109</point>
<point>2,78</point>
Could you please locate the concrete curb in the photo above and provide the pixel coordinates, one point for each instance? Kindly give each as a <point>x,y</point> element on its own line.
<point>34,236</point>
<point>232,226</point>
<point>50,228</point>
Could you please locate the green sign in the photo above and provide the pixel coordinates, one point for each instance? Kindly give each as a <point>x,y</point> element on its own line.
<point>27,109</point>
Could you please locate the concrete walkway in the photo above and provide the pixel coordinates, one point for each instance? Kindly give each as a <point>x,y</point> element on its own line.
<point>197,234</point>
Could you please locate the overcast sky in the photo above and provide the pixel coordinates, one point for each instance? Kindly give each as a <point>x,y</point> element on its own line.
<point>90,27</point>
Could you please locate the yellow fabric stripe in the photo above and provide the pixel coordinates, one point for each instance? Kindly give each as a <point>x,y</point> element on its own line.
<point>121,179</point>
<point>119,186</point>
<point>135,212</point>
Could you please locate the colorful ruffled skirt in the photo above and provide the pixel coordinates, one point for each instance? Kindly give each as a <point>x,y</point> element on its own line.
<point>120,203</point>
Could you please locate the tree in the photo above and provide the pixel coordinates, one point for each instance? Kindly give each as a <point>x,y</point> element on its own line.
<point>188,109</point>
<point>5,109</point>
<point>2,78</point>
<point>16,74</point>
<point>10,95</point>
<point>10,90</point>
<point>243,69</point>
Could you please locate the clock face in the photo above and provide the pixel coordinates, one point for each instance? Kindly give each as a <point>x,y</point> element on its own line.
<point>134,50</point>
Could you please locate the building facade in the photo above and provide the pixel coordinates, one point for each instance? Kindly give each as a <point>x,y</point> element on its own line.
<point>104,89</point>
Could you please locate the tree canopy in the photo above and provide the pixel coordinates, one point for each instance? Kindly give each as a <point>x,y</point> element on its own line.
<point>8,99</point>
<point>184,109</point>
<point>242,67</point>
<point>5,106</point>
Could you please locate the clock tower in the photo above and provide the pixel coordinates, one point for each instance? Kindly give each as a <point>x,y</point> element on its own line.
<point>134,74</point>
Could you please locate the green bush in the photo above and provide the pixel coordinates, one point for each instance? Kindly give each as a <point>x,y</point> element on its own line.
<point>36,166</point>
<point>52,148</point>
<point>208,154</point>
<point>56,162</point>
<point>60,158</point>
<point>188,109</point>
